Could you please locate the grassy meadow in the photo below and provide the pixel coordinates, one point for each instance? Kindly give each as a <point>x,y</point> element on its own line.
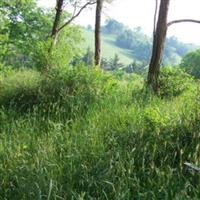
<point>83,134</point>
<point>109,48</point>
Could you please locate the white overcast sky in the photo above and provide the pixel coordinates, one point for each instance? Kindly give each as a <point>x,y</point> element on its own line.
<point>140,13</point>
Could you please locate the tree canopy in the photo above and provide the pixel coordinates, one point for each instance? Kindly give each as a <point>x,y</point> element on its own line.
<point>191,63</point>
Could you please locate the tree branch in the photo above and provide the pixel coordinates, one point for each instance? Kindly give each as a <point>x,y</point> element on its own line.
<point>183,20</point>
<point>76,15</point>
<point>75,7</point>
<point>59,8</point>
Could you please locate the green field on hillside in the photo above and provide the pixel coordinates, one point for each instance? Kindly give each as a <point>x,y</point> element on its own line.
<point>70,130</point>
<point>109,48</point>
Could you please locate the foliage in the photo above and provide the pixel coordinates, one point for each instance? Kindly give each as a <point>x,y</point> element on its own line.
<point>136,67</point>
<point>66,48</point>
<point>24,26</point>
<point>175,50</point>
<point>120,146</point>
<point>112,26</point>
<point>173,82</point>
<point>136,41</point>
<point>191,63</point>
<point>76,132</point>
<point>109,48</point>
<point>137,46</point>
<point>180,47</point>
<point>88,58</point>
<point>19,88</point>
<point>111,64</point>
<point>24,37</point>
<point>69,88</point>
<point>75,89</point>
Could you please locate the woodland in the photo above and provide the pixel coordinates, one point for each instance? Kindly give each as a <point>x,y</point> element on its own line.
<point>103,113</point>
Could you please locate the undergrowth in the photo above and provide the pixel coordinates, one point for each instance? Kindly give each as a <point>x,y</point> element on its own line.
<point>82,134</point>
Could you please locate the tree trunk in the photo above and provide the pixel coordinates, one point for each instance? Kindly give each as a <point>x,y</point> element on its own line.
<point>158,45</point>
<point>97,58</point>
<point>54,32</point>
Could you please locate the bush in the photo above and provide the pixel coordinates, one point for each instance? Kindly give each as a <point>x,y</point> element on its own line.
<point>73,89</point>
<point>173,82</point>
<point>62,54</point>
<point>19,88</point>
<point>191,63</point>
<point>121,148</point>
<point>76,89</point>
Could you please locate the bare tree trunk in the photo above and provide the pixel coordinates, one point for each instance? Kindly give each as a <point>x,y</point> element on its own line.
<point>97,58</point>
<point>54,32</point>
<point>158,45</point>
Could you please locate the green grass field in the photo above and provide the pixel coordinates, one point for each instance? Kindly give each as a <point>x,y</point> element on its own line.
<point>109,49</point>
<point>80,134</point>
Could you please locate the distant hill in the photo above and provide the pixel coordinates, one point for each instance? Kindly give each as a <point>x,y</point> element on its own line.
<point>133,45</point>
<point>109,48</point>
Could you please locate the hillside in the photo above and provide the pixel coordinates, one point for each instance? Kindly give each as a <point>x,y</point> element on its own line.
<point>134,45</point>
<point>109,48</point>
<point>70,130</point>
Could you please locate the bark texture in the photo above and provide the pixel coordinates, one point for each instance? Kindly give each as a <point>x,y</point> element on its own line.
<point>97,58</point>
<point>158,45</point>
<point>54,32</point>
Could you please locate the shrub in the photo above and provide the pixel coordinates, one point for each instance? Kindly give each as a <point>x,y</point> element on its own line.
<point>173,82</point>
<point>76,89</point>
<point>191,63</point>
<point>119,148</point>
<point>62,54</point>
<point>72,89</point>
<point>19,88</point>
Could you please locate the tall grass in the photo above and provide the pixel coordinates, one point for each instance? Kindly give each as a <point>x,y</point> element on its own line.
<point>87,135</point>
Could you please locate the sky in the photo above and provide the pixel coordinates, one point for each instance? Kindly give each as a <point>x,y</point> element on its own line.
<point>134,13</point>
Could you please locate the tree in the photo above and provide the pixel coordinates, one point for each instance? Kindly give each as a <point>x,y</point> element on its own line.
<point>24,33</point>
<point>136,67</point>
<point>191,63</point>
<point>112,26</point>
<point>136,41</point>
<point>78,7</point>
<point>23,26</point>
<point>88,58</point>
<point>59,8</point>
<point>126,40</point>
<point>159,37</point>
<point>97,57</point>
<point>111,64</point>
<point>99,6</point>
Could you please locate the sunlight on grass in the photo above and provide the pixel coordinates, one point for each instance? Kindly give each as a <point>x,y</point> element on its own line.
<point>90,136</point>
